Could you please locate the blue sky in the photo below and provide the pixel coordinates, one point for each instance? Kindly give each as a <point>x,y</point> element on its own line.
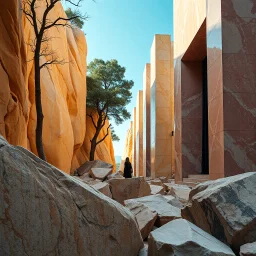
<point>124,30</point>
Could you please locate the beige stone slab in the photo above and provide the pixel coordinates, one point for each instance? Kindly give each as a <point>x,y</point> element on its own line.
<point>139,134</point>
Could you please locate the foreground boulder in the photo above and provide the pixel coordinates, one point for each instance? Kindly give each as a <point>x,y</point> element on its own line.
<point>100,173</point>
<point>144,217</point>
<point>123,189</point>
<point>87,166</point>
<point>248,250</point>
<point>43,211</point>
<point>180,237</point>
<point>103,187</point>
<point>226,209</point>
<point>157,203</point>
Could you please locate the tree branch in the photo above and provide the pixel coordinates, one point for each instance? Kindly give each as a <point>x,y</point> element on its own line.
<point>55,23</point>
<point>92,120</point>
<point>98,142</point>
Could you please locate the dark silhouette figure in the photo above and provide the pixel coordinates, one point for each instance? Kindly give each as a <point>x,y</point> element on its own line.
<point>127,168</point>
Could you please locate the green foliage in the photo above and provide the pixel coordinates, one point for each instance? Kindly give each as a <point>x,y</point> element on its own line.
<point>113,134</point>
<point>108,93</point>
<point>108,90</point>
<point>76,18</point>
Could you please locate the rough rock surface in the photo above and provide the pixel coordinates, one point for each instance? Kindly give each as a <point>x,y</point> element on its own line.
<point>248,249</point>
<point>63,90</point>
<point>104,150</point>
<point>123,189</point>
<point>100,173</point>
<point>157,203</point>
<point>43,211</point>
<point>157,190</point>
<point>116,175</point>
<point>180,237</point>
<point>144,217</point>
<point>87,166</point>
<point>181,192</point>
<point>173,201</point>
<point>103,187</point>
<point>226,209</point>
<point>144,250</point>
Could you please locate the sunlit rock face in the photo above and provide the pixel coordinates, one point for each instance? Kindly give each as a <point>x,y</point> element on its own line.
<point>63,89</point>
<point>104,150</point>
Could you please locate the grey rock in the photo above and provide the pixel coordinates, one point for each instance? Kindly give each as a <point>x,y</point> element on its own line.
<point>226,209</point>
<point>182,238</point>
<point>155,189</point>
<point>173,201</point>
<point>144,216</point>
<point>248,249</point>
<point>43,211</point>
<point>157,203</point>
<point>181,192</point>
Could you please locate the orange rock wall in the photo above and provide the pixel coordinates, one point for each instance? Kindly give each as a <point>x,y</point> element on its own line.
<point>104,150</point>
<point>63,89</point>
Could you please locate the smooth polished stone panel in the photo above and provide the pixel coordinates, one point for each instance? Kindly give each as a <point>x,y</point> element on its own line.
<point>139,134</point>
<point>134,143</point>
<point>189,34</point>
<point>162,111</point>
<point>146,121</point>
<point>231,59</point>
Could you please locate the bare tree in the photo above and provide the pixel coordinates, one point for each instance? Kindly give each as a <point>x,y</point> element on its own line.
<point>41,25</point>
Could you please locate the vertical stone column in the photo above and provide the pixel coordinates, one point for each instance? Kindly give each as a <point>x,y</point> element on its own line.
<point>146,121</point>
<point>139,134</point>
<point>231,86</point>
<point>134,142</point>
<point>161,106</point>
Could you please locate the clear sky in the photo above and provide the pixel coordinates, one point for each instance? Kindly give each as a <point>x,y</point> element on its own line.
<point>124,30</point>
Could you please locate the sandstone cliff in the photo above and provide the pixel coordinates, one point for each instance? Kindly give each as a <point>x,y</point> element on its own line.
<point>63,89</point>
<point>104,150</point>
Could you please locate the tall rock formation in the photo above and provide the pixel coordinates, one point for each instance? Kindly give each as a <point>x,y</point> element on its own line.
<point>63,88</point>
<point>104,150</point>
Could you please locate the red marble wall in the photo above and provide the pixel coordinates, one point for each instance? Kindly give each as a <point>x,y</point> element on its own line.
<point>231,52</point>
<point>231,62</point>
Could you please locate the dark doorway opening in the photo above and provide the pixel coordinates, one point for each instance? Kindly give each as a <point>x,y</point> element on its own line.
<point>205,144</point>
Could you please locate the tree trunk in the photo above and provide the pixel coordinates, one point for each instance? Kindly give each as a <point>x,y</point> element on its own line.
<point>93,149</point>
<point>39,110</point>
<point>95,137</point>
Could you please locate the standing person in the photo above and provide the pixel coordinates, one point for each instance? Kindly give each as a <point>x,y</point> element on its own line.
<point>127,168</point>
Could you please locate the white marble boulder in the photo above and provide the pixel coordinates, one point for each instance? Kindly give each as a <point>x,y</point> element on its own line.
<point>43,211</point>
<point>155,189</point>
<point>181,192</point>
<point>144,216</point>
<point>248,249</point>
<point>157,203</point>
<point>123,189</point>
<point>226,209</point>
<point>182,238</point>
